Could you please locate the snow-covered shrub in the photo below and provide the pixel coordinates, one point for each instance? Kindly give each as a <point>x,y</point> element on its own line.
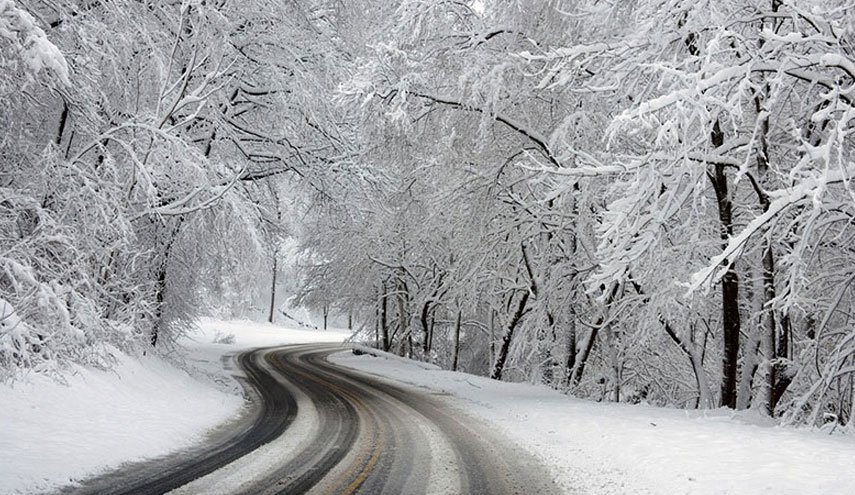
<point>53,310</point>
<point>224,338</point>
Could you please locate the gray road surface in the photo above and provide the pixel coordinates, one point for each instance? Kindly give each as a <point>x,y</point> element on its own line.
<point>320,428</point>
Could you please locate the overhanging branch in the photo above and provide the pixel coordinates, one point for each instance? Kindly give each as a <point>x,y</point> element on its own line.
<point>539,141</point>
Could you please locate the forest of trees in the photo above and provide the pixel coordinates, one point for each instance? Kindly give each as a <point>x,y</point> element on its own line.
<point>645,200</point>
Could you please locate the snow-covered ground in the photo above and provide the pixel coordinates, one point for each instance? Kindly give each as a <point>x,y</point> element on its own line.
<point>52,434</point>
<point>621,449</point>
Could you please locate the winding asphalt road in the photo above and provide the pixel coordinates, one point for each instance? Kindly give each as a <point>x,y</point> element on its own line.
<point>322,428</point>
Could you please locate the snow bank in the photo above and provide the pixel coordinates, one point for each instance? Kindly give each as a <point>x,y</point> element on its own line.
<point>247,334</point>
<point>622,449</point>
<point>53,434</point>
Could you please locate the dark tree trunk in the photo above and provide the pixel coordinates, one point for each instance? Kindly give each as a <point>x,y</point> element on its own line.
<point>499,366</point>
<point>326,311</point>
<point>428,311</point>
<point>731,323</point>
<point>548,360</point>
<point>582,359</point>
<point>384,324</point>
<point>579,370</point>
<point>160,293</point>
<point>273,289</point>
<point>730,282</point>
<point>431,328</point>
<point>160,282</point>
<point>63,120</point>
<point>456,350</point>
<point>570,361</point>
<point>770,325</point>
<point>424,318</point>
<point>782,377</point>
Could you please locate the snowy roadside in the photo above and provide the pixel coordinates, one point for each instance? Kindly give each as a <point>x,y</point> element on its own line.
<point>623,449</point>
<point>53,434</point>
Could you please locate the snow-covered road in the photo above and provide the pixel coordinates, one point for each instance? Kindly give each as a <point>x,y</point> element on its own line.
<point>362,435</point>
<point>608,449</point>
<point>52,435</point>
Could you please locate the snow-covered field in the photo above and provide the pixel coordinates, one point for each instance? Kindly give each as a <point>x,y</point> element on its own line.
<point>620,449</point>
<point>53,434</point>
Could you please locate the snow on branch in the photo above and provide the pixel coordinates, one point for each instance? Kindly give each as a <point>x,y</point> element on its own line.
<point>598,168</point>
<point>785,199</point>
<point>701,86</point>
<point>839,61</point>
<point>30,41</point>
<point>530,134</point>
<point>573,57</point>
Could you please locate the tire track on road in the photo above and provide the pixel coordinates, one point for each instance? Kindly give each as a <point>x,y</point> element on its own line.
<point>357,434</point>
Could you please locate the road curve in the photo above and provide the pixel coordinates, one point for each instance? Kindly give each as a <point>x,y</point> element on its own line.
<point>322,428</point>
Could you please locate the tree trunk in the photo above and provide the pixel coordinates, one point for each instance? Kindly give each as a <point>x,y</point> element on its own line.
<point>423,318</point>
<point>499,366</point>
<point>160,282</point>
<point>384,324</point>
<point>431,329</point>
<point>273,289</point>
<point>765,400</point>
<point>582,359</point>
<point>377,326</point>
<point>492,329</point>
<point>705,398</point>
<point>614,362</point>
<point>63,120</point>
<point>406,347</point>
<point>782,376</point>
<point>160,294</point>
<point>751,363</point>
<point>326,311</point>
<point>770,366</point>
<point>851,422</point>
<point>456,350</point>
<point>570,360</point>
<point>729,284</point>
